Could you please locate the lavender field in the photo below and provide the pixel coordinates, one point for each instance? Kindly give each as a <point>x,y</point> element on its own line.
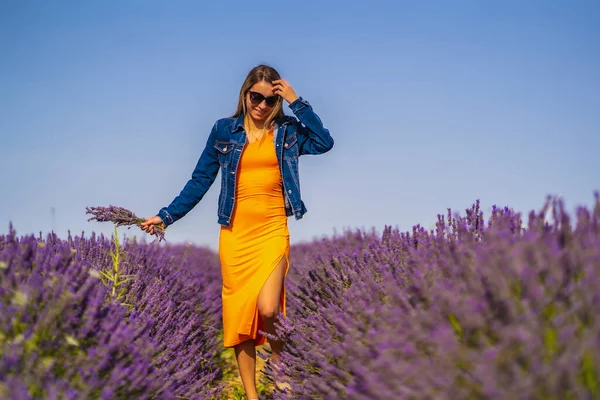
<point>503,306</point>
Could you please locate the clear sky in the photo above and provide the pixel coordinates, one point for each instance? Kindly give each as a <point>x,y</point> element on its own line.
<point>432,104</point>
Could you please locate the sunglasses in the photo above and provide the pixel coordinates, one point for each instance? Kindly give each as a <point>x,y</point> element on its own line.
<point>257,98</point>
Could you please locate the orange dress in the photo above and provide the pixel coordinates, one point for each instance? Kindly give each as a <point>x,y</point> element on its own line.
<point>255,243</point>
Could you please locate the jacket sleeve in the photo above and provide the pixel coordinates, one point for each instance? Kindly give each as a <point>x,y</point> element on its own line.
<point>202,178</point>
<point>313,137</point>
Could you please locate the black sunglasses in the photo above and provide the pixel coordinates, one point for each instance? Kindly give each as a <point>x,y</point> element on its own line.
<point>257,98</point>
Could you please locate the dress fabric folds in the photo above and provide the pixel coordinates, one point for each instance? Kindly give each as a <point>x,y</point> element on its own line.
<point>255,243</point>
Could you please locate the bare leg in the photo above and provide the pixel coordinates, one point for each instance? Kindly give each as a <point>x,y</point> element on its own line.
<point>245,354</point>
<point>268,305</point>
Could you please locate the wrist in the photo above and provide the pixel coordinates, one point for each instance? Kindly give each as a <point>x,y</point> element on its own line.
<point>298,104</point>
<point>165,217</point>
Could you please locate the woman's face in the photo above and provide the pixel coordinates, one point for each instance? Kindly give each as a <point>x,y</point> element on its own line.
<point>258,99</point>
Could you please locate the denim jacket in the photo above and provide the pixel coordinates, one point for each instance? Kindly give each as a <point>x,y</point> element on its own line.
<point>293,138</point>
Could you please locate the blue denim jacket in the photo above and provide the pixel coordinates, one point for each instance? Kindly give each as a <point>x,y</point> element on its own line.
<point>293,138</point>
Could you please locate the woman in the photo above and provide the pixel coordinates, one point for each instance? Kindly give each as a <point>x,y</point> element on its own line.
<point>257,152</point>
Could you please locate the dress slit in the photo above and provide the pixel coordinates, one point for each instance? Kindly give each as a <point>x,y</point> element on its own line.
<point>257,322</point>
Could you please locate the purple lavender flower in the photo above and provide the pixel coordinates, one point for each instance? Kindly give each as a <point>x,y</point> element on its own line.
<point>118,215</point>
<point>466,310</point>
<point>62,336</point>
<point>121,217</point>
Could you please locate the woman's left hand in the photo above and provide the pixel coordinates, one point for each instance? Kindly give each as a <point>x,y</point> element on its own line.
<point>282,88</point>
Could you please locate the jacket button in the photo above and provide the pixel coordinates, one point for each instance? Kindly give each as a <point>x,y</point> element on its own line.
<point>225,148</point>
<point>232,172</point>
<point>290,191</point>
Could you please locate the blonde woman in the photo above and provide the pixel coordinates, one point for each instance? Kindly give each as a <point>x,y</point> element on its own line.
<point>257,152</point>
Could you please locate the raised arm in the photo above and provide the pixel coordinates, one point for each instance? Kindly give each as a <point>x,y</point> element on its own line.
<point>313,137</point>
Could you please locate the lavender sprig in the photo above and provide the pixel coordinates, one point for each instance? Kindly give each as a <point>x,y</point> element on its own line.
<point>121,217</point>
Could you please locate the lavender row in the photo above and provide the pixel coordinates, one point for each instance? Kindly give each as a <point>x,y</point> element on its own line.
<point>472,309</point>
<point>63,334</point>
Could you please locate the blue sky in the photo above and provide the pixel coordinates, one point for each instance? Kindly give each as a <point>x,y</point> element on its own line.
<point>431,104</point>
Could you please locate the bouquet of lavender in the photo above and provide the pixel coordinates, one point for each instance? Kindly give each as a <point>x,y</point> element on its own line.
<point>121,216</point>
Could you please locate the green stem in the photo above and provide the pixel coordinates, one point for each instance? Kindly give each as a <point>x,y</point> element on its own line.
<point>116,261</point>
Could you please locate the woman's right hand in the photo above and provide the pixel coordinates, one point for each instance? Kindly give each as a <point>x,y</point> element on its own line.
<point>148,224</point>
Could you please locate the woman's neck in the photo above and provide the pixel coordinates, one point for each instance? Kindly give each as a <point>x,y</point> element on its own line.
<point>255,125</point>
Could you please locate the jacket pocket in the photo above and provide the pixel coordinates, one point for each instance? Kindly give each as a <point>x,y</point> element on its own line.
<point>290,146</point>
<point>224,151</point>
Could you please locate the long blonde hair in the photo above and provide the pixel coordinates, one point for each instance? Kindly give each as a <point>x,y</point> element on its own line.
<point>258,74</point>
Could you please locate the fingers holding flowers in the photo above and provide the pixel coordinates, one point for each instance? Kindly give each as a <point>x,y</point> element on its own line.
<point>149,224</point>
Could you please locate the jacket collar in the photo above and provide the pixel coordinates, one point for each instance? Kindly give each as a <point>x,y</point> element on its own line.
<point>238,123</point>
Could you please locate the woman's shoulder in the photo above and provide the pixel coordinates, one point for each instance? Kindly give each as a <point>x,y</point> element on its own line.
<point>224,127</point>
<point>227,122</point>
